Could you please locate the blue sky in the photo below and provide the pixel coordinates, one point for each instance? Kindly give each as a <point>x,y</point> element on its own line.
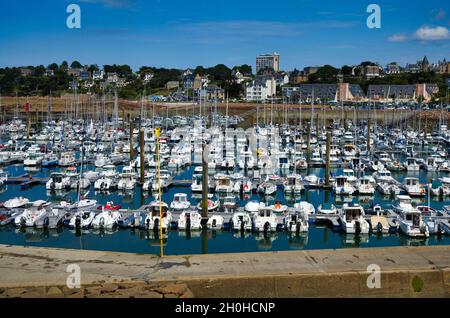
<point>181,34</point>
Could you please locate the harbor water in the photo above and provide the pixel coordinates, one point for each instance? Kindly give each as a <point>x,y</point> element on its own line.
<point>319,236</point>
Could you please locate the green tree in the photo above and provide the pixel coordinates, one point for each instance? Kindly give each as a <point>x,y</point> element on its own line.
<point>76,64</point>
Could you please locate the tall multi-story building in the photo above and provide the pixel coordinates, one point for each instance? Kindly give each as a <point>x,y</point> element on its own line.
<point>271,61</point>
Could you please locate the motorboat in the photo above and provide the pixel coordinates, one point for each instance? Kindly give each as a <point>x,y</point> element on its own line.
<point>58,181</point>
<point>189,220</point>
<point>34,215</point>
<point>107,219</point>
<point>383,175</point>
<point>67,159</point>
<point>82,219</point>
<point>365,186</point>
<point>229,203</point>
<point>180,202</point>
<point>411,164</point>
<point>351,218</point>
<point>293,184</point>
<point>265,220</point>
<point>412,186</point>
<point>153,220</point>
<point>215,222</point>
<point>15,203</point>
<point>224,184</point>
<point>213,204</point>
<point>103,184</point>
<point>410,218</point>
<point>267,188</point>
<point>343,187</point>
<point>327,208</point>
<point>33,159</point>
<point>241,221</point>
<point>304,207</point>
<point>127,179</point>
<point>296,222</point>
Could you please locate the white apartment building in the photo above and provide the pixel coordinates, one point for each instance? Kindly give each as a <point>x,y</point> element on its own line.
<point>261,89</point>
<point>268,61</point>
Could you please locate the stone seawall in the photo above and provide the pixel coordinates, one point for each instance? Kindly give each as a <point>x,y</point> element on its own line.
<point>404,272</point>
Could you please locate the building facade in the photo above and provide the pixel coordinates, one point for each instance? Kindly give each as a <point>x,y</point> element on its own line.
<point>271,61</point>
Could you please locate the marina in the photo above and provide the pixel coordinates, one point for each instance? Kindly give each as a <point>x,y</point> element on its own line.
<point>305,185</point>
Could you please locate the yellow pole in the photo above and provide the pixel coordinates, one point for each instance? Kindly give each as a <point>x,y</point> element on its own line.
<point>161,241</point>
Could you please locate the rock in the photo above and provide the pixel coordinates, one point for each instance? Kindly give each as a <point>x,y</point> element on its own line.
<point>31,294</point>
<point>109,288</point>
<point>93,290</point>
<point>14,292</point>
<point>149,294</point>
<point>78,294</point>
<point>70,291</point>
<point>187,294</point>
<point>178,289</point>
<point>170,296</point>
<point>54,292</point>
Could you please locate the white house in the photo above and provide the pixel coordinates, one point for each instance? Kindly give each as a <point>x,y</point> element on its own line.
<point>260,89</point>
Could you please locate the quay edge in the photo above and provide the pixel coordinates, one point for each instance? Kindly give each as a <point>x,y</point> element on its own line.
<point>405,271</point>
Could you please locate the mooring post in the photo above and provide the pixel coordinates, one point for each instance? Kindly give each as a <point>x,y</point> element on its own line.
<point>142,154</point>
<point>204,184</point>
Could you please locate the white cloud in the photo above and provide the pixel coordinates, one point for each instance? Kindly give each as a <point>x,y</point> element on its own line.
<point>427,33</point>
<point>397,38</point>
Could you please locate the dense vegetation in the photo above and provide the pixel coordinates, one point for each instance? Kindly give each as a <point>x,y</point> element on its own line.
<point>39,83</point>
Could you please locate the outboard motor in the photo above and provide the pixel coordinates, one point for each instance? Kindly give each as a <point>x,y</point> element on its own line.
<point>102,222</point>
<point>23,221</point>
<point>78,222</point>
<point>357,227</point>
<point>214,223</point>
<point>379,227</point>
<point>156,225</point>
<point>266,227</point>
<point>188,223</point>
<point>148,223</point>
